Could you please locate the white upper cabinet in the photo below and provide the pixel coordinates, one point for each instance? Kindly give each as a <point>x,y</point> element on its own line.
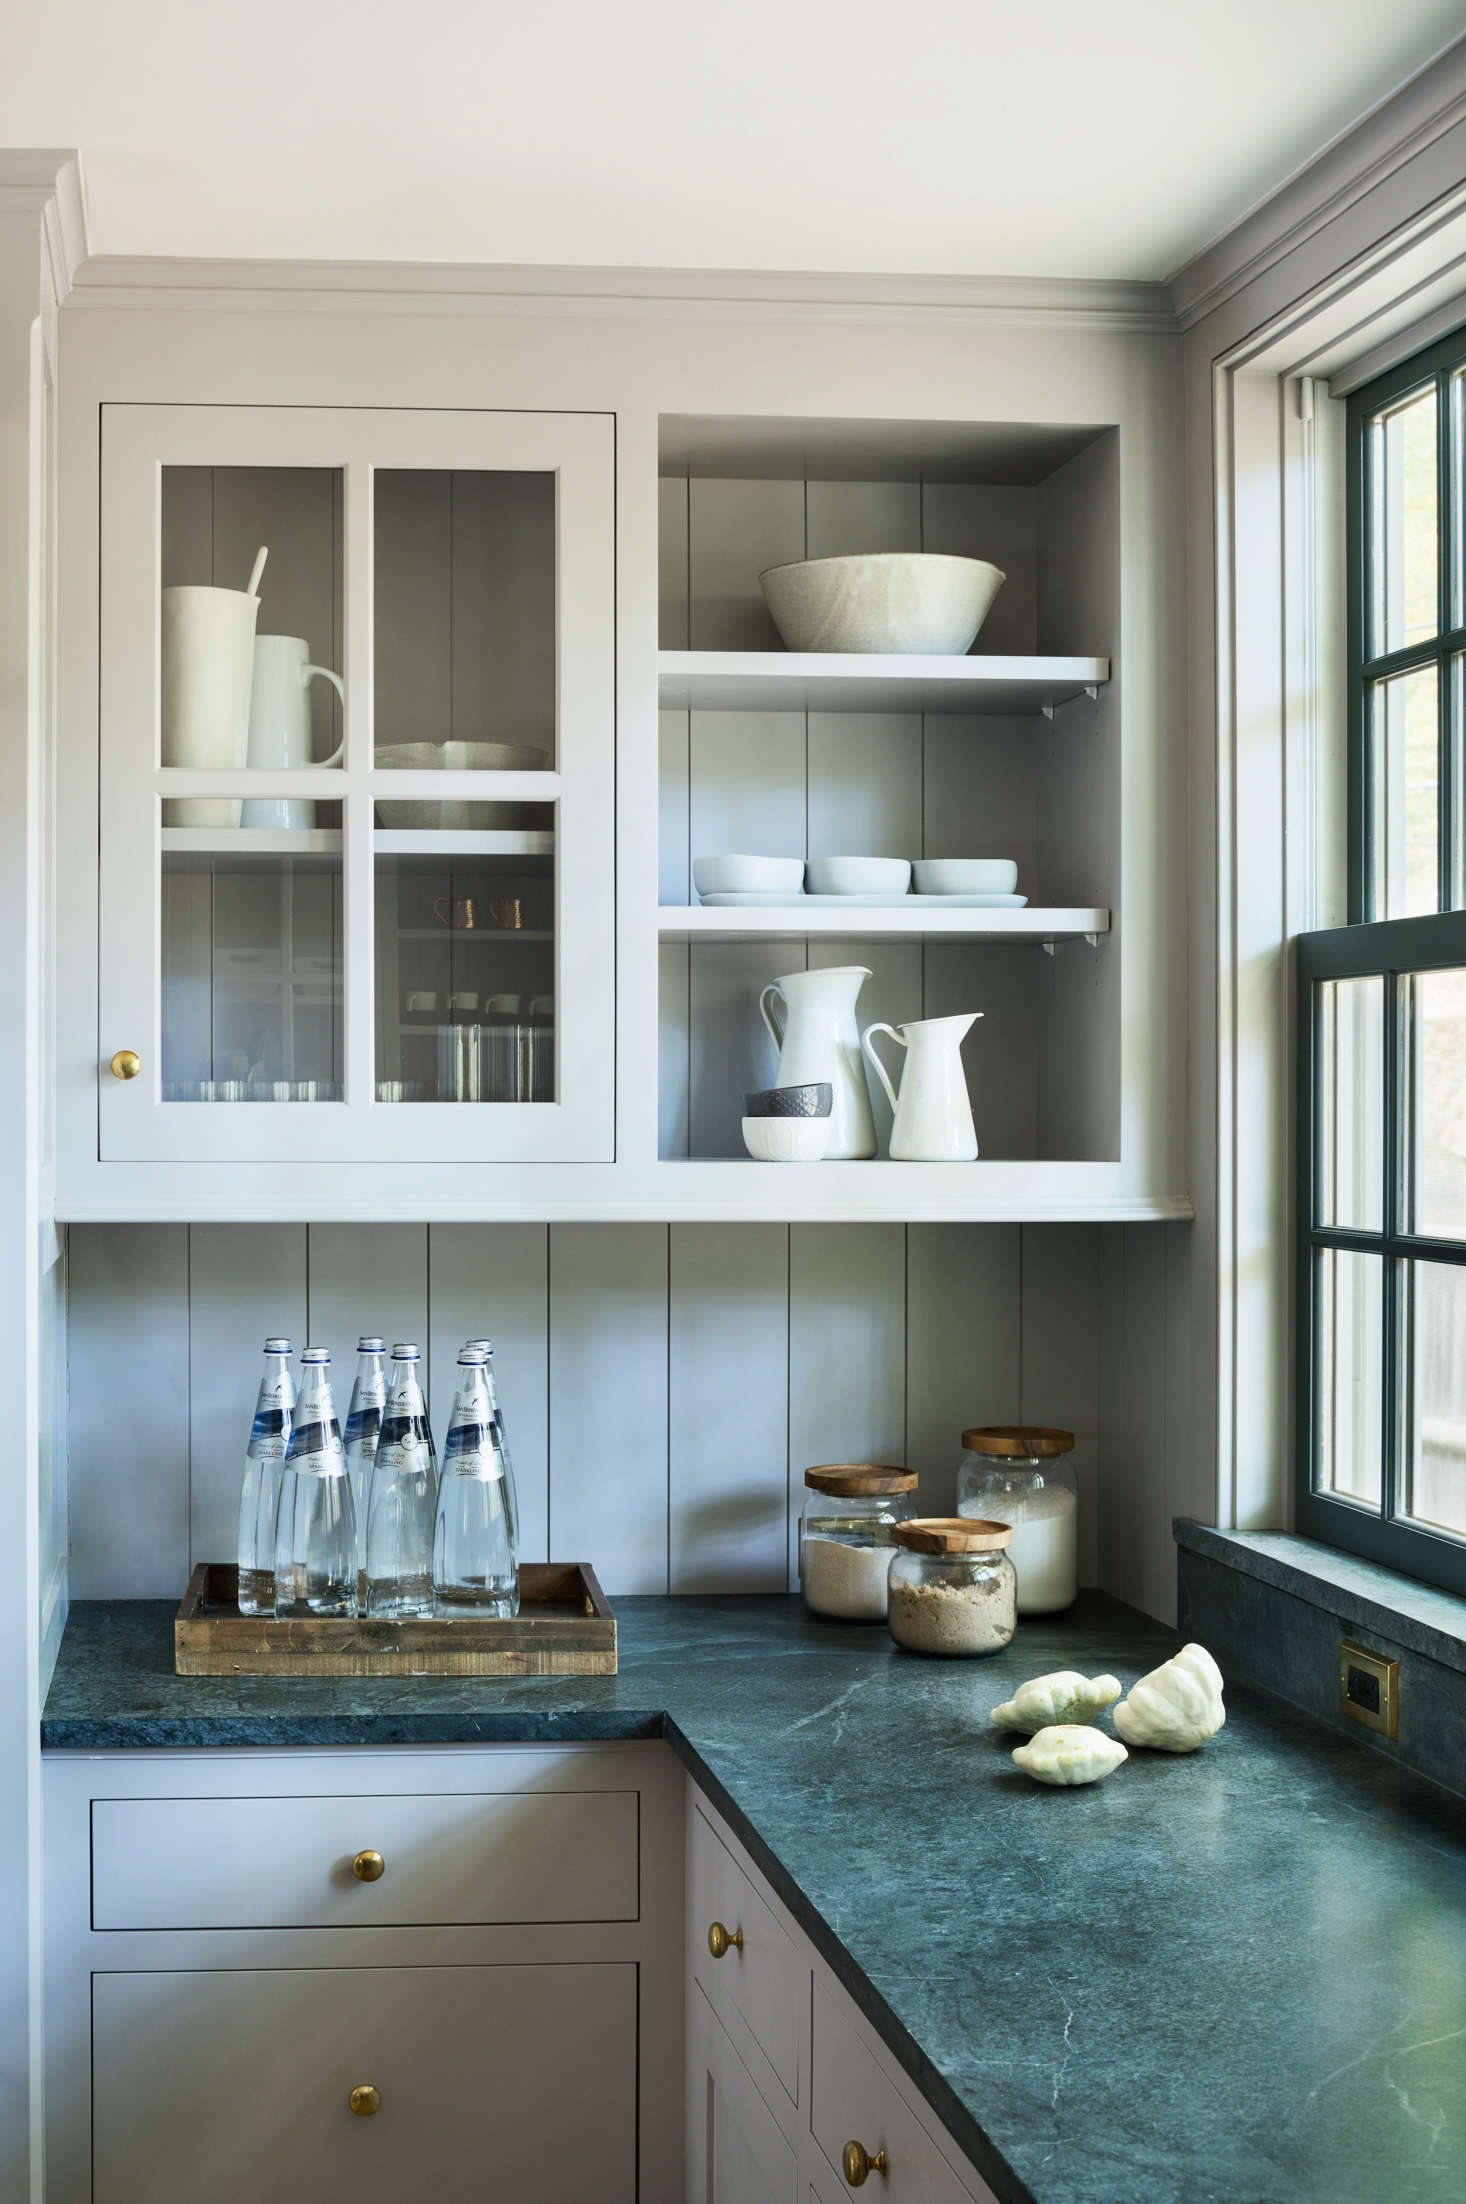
<point>356,830</point>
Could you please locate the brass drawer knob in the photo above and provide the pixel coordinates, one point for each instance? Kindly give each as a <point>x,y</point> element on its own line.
<point>126,1064</point>
<point>369,1867</point>
<point>365,2100</point>
<point>720,1940</point>
<point>859,2165</point>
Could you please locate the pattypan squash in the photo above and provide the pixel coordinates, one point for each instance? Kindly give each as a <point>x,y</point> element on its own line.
<point>1067,1753</point>
<point>1066,1696</point>
<point>1177,1706</point>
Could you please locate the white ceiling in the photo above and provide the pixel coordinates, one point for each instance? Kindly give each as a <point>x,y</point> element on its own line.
<point>1073,138</point>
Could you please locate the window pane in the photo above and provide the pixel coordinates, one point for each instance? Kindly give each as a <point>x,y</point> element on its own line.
<point>1458,494</point>
<point>1350,1418</point>
<point>1405,743</point>
<point>1436,1011</point>
<point>1404,551</point>
<point>1435,1467</point>
<point>1351,1129</point>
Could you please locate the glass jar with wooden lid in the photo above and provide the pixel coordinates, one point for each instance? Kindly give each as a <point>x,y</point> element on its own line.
<point>952,1589</point>
<point>845,1549</point>
<point>1016,1473</point>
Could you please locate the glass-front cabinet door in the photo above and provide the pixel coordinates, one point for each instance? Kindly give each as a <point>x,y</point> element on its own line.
<point>357,785</point>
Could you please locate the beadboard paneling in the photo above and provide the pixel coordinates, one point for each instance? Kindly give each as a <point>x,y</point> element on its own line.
<point>664,1388</point>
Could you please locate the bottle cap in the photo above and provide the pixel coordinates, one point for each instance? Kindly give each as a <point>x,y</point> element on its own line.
<point>316,1354</point>
<point>478,1346</point>
<point>475,1357</point>
<point>369,1344</point>
<point>404,1351</point>
<point>277,1346</point>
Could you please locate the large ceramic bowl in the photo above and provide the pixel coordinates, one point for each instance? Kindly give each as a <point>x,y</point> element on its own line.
<point>882,601</point>
<point>458,814</point>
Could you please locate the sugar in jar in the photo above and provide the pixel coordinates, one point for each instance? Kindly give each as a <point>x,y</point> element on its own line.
<point>1017,1473</point>
<point>845,1548</point>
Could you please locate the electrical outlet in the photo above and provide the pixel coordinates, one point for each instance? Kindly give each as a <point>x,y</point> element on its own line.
<point>1369,1689</point>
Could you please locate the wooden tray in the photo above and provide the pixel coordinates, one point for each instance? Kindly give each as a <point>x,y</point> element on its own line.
<point>564,1628</point>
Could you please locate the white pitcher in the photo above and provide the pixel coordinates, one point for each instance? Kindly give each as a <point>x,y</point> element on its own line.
<point>207,668</point>
<point>820,1039</point>
<point>280,725</point>
<point>933,1116</point>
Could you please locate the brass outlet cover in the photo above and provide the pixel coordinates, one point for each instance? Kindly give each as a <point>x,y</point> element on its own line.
<point>1369,1689</point>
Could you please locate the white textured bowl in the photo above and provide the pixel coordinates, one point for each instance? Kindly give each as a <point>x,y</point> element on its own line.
<point>858,875</point>
<point>786,1139</point>
<point>748,875</point>
<point>965,875</point>
<point>882,601</point>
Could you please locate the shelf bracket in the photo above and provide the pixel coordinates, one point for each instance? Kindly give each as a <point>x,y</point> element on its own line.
<point>1093,940</point>
<point>1049,948</point>
<point>1091,690</point>
<point>1047,710</point>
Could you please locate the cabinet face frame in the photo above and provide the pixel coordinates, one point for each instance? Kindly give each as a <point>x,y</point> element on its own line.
<point>134,1123</point>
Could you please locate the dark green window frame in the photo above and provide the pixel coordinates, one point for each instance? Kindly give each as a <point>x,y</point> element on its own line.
<point>1389,949</point>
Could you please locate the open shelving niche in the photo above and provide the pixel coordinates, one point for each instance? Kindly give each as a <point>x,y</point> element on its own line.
<point>1013,751</point>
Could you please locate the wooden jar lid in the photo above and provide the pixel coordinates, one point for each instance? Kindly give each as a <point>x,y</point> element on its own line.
<point>858,1480</point>
<point>951,1534</point>
<point>1017,1439</point>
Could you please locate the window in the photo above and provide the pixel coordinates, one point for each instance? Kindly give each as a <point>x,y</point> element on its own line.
<point>1382,1016</point>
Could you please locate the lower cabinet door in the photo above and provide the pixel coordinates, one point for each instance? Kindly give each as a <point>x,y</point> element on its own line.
<point>736,2153</point>
<point>505,2081</point>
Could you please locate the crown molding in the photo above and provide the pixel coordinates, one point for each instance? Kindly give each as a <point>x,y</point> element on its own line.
<point>48,182</point>
<point>412,287</point>
<point>1432,102</point>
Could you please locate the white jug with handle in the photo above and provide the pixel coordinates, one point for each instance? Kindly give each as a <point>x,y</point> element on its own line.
<point>280,726</point>
<point>207,669</point>
<point>819,1039</point>
<point>933,1115</point>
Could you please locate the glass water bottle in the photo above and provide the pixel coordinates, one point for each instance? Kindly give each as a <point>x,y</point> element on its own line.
<point>404,1498</point>
<point>476,1547</point>
<point>363,1425</point>
<point>315,1550</point>
<point>259,1492</point>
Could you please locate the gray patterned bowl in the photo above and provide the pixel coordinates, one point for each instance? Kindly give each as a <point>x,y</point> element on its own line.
<point>813,1101</point>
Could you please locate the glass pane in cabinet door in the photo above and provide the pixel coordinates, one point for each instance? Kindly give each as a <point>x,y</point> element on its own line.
<point>250,653</point>
<point>464,605</point>
<point>465,955</point>
<point>251,974</point>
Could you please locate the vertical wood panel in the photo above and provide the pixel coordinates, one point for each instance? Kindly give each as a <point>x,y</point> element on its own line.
<point>980,778</point>
<point>1000,523</point>
<point>735,530</point>
<point>608,1402</point>
<point>731,1053</point>
<point>845,517</point>
<point>1115,1407</point>
<point>246,1281</point>
<point>963,1307</point>
<point>490,1281</point>
<point>367,1278</point>
<point>747,777</point>
<point>502,592</point>
<point>674,971</point>
<point>1061,1352</point>
<point>1000,1053</point>
<point>674,858</point>
<point>728,1399</point>
<point>672,563</point>
<point>1146,1558</point>
<point>127,1355</point>
<point>847,1352</point>
<point>412,605</point>
<point>187,497</point>
<point>293,511</point>
<point>865,780</point>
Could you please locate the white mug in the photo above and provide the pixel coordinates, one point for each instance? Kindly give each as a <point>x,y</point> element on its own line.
<point>207,672</point>
<point>280,725</point>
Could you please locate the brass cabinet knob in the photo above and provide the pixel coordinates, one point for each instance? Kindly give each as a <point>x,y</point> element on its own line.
<point>858,2164</point>
<point>720,1939</point>
<point>369,1867</point>
<point>126,1064</point>
<point>365,2100</point>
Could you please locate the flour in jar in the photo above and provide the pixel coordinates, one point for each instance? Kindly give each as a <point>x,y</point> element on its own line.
<point>845,1577</point>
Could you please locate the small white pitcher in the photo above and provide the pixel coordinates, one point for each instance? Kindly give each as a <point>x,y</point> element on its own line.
<point>280,726</point>
<point>932,1113</point>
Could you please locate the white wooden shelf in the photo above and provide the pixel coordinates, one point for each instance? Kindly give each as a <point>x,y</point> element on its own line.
<point>485,935</point>
<point>387,841</point>
<point>793,681</point>
<point>923,921</point>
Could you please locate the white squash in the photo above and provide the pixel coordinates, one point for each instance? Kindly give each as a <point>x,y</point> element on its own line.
<point>1177,1706</point>
<point>1068,1753</point>
<point>1066,1696</point>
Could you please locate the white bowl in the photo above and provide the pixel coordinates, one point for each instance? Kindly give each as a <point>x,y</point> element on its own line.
<point>858,875</point>
<point>965,875</point>
<point>882,601</point>
<point>748,875</point>
<point>786,1139</point>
